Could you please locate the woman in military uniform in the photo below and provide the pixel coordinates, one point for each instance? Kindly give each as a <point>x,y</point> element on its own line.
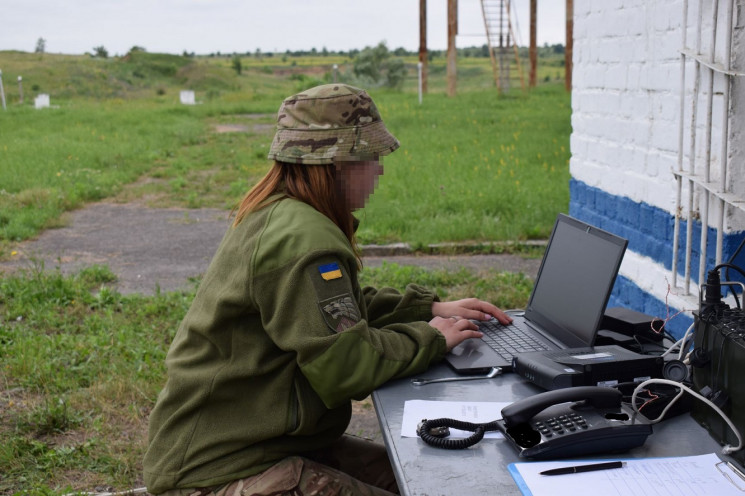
<point>280,336</point>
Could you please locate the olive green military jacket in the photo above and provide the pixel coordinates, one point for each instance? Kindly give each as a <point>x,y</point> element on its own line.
<point>278,340</point>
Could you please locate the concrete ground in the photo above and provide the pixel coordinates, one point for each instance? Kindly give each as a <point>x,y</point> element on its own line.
<point>166,248</point>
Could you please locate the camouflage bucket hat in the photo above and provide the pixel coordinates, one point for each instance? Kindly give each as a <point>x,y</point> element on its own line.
<point>330,122</point>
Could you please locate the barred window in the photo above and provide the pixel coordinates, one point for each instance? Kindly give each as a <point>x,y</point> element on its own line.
<point>710,198</point>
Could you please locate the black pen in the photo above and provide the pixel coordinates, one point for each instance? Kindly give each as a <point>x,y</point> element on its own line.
<point>583,468</point>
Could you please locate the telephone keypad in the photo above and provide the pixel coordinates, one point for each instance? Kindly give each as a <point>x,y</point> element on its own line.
<point>561,424</point>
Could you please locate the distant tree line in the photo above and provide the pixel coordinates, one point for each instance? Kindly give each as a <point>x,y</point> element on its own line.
<point>375,66</point>
<point>371,66</point>
<point>473,51</point>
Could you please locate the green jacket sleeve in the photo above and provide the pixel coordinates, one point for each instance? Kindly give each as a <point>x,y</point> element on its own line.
<point>323,318</point>
<point>386,306</point>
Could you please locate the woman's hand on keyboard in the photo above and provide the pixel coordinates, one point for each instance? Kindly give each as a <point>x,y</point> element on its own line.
<point>469,308</point>
<point>455,329</point>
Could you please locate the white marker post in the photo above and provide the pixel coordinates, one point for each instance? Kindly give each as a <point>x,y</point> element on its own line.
<point>20,89</point>
<point>187,97</point>
<point>41,101</point>
<point>2,91</point>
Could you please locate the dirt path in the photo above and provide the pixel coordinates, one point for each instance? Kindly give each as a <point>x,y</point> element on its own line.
<point>144,247</point>
<point>149,248</point>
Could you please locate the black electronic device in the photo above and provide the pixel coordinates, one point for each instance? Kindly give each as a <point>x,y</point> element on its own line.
<point>572,422</point>
<point>718,360</point>
<point>586,366</point>
<point>718,367</point>
<point>632,323</point>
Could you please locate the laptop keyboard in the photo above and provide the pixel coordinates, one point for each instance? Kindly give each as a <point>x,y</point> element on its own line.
<point>509,340</point>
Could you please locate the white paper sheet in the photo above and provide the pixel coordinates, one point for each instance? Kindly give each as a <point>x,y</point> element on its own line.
<point>477,412</point>
<point>676,476</point>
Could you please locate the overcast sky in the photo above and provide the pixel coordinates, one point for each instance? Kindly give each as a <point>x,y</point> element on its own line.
<point>227,26</point>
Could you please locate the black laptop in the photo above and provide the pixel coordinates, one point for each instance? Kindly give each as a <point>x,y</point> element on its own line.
<point>566,305</point>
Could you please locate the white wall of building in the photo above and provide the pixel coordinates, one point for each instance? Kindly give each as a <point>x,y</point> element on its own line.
<point>626,114</point>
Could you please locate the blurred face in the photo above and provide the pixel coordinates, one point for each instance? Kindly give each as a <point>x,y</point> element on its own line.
<point>357,180</point>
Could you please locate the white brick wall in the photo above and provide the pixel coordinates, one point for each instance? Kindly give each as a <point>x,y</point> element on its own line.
<point>626,111</point>
<point>625,97</point>
<point>737,131</point>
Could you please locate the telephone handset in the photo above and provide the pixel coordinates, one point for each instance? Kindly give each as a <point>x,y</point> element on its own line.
<point>522,411</point>
<point>574,421</point>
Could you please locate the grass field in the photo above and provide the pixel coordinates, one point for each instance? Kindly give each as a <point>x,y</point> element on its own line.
<point>80,364</point>
<point>480,166</point>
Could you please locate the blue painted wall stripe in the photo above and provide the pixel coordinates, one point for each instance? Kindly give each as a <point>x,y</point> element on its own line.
<point>650,233</point>
<point>649,229</point>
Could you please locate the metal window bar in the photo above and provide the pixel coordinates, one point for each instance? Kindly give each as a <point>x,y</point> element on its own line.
<point>701,181</point>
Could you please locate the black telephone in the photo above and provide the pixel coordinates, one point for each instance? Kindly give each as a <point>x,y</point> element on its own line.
<point>574,421</point>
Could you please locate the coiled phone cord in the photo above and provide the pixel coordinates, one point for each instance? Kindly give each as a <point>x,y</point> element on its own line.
<point>433,432</point>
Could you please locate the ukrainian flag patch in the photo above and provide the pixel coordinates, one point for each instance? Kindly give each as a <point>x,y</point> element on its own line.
<point>330,271</point>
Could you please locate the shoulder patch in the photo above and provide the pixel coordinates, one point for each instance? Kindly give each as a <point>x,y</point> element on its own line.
<point>330,271</point>
<point>334,294</point>
<point>340,312</point>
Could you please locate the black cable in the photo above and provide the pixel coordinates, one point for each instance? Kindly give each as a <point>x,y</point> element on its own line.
<point>737,251</point>
<point>728,266</point>
<point>643,347</point>
<point>726,272</point>
<point>666,334</point>
<point>425,428</point>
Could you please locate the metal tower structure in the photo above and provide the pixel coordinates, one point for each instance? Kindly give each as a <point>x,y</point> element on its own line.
<point>500,38</point>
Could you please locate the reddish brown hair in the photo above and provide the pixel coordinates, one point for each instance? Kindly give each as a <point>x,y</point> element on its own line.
<point>311,184</point>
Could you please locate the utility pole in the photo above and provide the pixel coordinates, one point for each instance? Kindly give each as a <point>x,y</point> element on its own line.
<point>568,47</point>
<point>423,42</point>
<point>533,49</point>
<point>452,31</point>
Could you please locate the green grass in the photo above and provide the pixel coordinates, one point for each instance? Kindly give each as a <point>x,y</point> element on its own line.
<point>80,364</point>
<point>59,159</point>
<point>504,289</point>
<point>479,167</point>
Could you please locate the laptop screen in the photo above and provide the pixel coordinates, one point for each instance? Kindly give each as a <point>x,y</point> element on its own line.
<point>575,281</point>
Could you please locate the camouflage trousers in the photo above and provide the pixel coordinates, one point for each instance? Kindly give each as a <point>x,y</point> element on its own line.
<point>350,467</point>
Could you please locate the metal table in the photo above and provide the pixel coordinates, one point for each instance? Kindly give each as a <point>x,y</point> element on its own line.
<point>422,470</point>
